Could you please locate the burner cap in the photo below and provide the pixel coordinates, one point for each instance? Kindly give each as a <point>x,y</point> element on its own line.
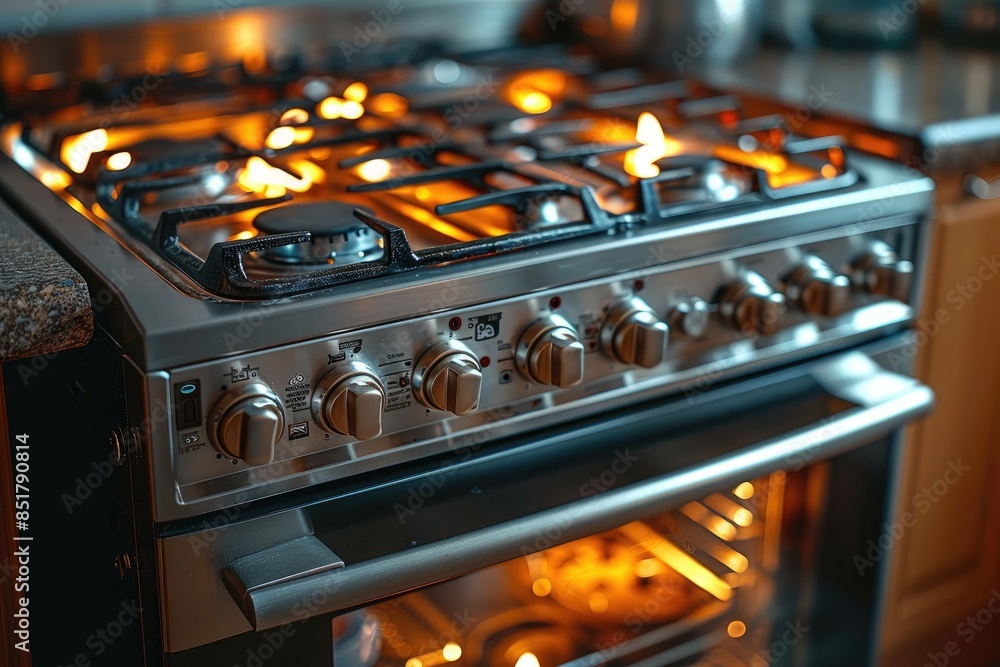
<point>338,236</point>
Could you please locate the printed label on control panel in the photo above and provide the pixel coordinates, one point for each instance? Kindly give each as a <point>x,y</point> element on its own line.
<point>297,394</point>
<point>352,345</point>
<point>243,374</point>
<point>485,327</point>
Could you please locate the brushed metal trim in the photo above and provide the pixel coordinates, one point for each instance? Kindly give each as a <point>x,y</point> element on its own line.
<point>193,483</point>
<point>555,407</point>
<point>885,401</point>
<point>192,616</point>
<point>159,325</point>
<point>302,557</point>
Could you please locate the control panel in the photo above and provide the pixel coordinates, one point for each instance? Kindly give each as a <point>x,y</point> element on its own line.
<point>395,387</point>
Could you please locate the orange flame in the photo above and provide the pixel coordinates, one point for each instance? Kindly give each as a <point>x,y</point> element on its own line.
<point>640,162</point>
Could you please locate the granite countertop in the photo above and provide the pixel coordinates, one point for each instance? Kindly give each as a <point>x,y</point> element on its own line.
<point>44,303</point>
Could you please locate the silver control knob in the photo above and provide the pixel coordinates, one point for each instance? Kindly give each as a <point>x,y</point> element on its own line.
<point>880,271</point>
<point>448,377</point>
<point>752,305</point>
<point>690,318</point>
<point>550,352</point>
<point>247,423</point>
<point>816,288</point>
<point>634,335</point>
<point>350,401</point>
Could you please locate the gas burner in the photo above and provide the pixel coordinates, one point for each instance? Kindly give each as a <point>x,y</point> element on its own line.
<point>338,237</point>
<point>446,172</point>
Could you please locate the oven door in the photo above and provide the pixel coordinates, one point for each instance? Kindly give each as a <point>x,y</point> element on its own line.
<point>729,527</point>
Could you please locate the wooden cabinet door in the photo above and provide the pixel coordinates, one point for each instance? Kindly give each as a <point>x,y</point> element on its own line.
<point>947,565</point>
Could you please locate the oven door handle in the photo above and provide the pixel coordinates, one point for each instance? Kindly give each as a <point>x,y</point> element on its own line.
<point>304,578</point>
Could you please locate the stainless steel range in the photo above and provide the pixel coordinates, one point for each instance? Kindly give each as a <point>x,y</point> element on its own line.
<point>390,324</point>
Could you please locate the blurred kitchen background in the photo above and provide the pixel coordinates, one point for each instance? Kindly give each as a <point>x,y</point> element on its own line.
<point>799,24</point>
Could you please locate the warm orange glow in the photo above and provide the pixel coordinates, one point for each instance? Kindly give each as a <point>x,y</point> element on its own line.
<point>737,629</point>
<point>712,522</point>
<point>648,567</point>
<point>532,101</point>
<point>758,159</point>
<point>304,134</point>
<point>729,557</point>
<point>837,158</point>
<point>878,145</point>
<point>284,136</point>
<point>389,105</point>
<point>534,91</point>
<point>193,62</point>
<point>640,162</point>
<point>550,81</point>
<point>451,651</point>
<point>76,150</point>
<point>351,110</point>
<point>828,171</point>
<point>374,170</point>
<point>598,603</point>
<point>254,61</point>
<point>55,179</point>
<point>624,15</point>
<point>649,132</point>
<point>119,161</point>
<point>243,236</point>
<point>425,217</point>
<point>308,170</point>
<point>678,559</point>
<point>330,108</point>
<point>43,81</point>
<point>295,116</point>
<point>258,176</point>
<point>595,26</point>
<point>731,510</point>
<point>356,92</point>
<point>795,174</point>
<point>280,137</point>
<point>744,491</point>
<point>422,193</point>
<point>541,587</point>
<point>527,660</point>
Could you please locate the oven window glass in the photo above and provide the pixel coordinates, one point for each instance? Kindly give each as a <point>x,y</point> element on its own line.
<point>693,586</point>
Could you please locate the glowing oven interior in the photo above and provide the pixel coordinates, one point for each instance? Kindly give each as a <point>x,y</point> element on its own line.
<point>692,586</point>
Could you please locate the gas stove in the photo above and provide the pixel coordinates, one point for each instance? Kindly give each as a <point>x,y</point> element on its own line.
<point>276,186</point>
<point>369,326</point>
<point>329,273</point>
